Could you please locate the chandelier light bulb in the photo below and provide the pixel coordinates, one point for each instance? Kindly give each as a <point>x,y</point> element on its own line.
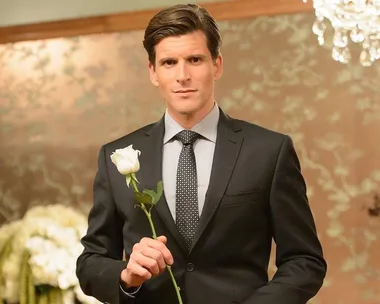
<point>353,21</point>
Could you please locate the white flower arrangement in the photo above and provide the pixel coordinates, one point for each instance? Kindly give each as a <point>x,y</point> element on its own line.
<point>38,257</point>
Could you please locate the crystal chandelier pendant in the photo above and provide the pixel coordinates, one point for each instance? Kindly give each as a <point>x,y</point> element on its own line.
<point>365,58</point>
<point>342,55</point>
<point>356,21</point>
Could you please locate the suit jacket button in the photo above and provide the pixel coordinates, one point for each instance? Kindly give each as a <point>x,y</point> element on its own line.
<point>190,267</point>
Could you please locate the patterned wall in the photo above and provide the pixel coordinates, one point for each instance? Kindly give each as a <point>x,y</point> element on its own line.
<point>61,99</point>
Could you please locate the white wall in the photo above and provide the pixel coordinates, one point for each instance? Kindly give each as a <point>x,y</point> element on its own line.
<point>16,12</point>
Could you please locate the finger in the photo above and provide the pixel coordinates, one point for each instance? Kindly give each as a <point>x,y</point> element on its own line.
<point>135,269</point>
<point>159,245</point>
<point>148,263</point>
<point>149,252</point>
<point>162,239</point>
<point>155,255</point>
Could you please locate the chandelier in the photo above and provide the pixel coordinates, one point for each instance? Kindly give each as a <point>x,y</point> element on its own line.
<point>357,21</point>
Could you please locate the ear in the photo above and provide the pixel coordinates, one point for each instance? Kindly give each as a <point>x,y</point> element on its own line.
<point>152,74</point>
<point>218,65</point>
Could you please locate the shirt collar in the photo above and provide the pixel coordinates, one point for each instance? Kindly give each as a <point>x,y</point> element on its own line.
<point>207,127</point>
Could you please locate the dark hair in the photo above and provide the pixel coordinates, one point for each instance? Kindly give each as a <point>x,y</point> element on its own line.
<point>180,20</point>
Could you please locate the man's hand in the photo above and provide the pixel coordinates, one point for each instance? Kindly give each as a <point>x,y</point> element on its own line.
<point>148,258</point>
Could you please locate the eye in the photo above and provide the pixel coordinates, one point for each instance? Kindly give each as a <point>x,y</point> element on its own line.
<point>195,59</point>
<point>168,62</point>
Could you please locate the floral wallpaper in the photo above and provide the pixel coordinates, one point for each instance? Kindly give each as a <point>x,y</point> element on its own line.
<point>61,99</point>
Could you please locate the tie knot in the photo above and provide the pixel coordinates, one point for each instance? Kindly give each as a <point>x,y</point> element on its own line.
<point>187,137</point>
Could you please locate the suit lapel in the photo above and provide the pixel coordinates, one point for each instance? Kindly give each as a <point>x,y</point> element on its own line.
<point>227,149</point>
<point>151,173</point>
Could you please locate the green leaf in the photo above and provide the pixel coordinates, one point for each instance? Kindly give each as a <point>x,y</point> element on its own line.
<point>160,190</point>
<point>143,198</point>
<point>156,196</point>
<point>134,177</point>
<point>152,194</point>
<point>128,179</point>
<point>43,289</point>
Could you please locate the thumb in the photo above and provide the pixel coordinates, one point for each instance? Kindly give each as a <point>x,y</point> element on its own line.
<point>162,239</point>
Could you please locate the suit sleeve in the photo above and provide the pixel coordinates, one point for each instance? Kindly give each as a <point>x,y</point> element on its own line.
<point>301,267</point>
<point>100,265</point>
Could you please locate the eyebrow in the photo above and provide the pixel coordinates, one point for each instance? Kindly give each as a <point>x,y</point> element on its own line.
<point>162,60</point>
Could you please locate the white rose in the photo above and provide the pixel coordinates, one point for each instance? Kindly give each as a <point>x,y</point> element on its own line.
<point>126,160</point>
<point>11,292</point>
<point>66,280</point>
<point>68,296</point>
<point>84,298</point>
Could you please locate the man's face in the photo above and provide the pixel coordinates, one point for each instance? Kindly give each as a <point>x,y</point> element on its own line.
<point>185,73</point>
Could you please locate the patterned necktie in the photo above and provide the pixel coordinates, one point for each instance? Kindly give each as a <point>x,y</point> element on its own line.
<point>187,214</point>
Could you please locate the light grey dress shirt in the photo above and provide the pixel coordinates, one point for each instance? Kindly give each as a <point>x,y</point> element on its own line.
<point>204,154</point>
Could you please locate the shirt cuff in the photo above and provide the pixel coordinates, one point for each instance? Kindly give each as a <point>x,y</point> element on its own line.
<point>131,291</point>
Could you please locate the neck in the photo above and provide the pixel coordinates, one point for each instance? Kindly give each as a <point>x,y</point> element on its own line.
<point>189,120</point>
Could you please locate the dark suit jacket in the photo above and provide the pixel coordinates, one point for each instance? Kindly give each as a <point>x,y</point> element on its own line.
<point>256,193</point>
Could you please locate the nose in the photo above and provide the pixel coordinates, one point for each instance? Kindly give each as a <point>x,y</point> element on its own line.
<point>183,73</point>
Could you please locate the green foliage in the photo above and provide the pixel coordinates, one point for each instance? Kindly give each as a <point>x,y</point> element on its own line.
<point>150,197</point>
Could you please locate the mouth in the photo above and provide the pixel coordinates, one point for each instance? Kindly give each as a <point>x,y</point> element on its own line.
<point>184,91</point>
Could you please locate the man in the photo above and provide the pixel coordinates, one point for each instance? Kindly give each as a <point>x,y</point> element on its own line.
<point>230,187</point>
